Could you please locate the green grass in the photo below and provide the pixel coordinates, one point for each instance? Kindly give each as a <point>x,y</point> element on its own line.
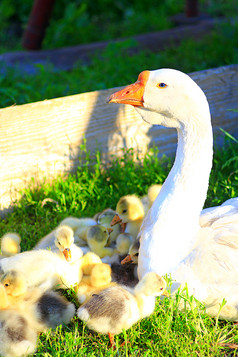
<point>94,187</point>
<point>117,65</point>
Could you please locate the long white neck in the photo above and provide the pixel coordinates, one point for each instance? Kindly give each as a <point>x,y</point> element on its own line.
<point>170,227</point>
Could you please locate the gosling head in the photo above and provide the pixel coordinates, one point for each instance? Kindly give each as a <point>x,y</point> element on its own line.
<point>14,283</point>
<point>134,251</point>
<point>64,238</point>
<point>153,192</point>
<point>130,208</point>
<point>105,217</point>
<point>100,275</point>
<point>132,257</point>
<point>10,244</point>
<point>98,234</point>
<point>151,284</point>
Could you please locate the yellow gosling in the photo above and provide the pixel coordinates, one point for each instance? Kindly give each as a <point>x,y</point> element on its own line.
<point>104,219</point>
<point>131,212</point>
<point>123,243</point>
<point>10,244</point>
<point>115,308</point>
<point>99,278</point>
<point>97,238</point>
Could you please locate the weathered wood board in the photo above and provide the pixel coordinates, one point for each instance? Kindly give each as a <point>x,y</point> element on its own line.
<point>42,139</point>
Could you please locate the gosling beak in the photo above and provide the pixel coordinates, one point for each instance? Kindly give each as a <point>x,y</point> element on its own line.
<point>165,293</point>
<point>116,219</point>
<point>127,259</point>
<point>123,227</point>
<point>67,254</point>
<point>133,93</point>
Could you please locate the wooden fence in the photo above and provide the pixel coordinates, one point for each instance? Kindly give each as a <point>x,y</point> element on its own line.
<point>43,139</point>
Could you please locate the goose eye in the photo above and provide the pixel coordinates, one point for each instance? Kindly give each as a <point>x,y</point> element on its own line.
<point>161,85</point>
<point>124,211</point>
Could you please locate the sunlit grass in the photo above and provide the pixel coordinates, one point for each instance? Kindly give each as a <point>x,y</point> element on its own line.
<point>119,65</point>
<point>167,332</point>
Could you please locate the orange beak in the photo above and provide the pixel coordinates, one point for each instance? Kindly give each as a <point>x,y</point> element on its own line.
<point>133,93</point>
<point>127,259</point>
<point>67,254</point>
<point>123,227</point>
<point>165,293</point>
<point>116,219</point>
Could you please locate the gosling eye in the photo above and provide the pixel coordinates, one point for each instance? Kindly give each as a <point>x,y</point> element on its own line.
<point>6,284</point>
<point>59,243</point>
<point>137,254</point>
<point>161,288</point>
<point>161,85</point>
<point>124,211</point>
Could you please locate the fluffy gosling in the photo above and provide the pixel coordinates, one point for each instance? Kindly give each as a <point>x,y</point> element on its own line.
<point>113,309</point>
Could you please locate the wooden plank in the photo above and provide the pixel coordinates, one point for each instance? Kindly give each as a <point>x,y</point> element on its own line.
<point>43,139</point>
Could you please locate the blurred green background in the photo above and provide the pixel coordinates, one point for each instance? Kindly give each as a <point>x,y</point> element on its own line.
<point>79,22</point>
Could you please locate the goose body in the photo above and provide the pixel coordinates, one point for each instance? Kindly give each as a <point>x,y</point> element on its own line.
<point>198,248</point>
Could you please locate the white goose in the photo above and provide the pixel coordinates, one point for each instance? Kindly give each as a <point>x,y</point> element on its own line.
<point>200,249</point>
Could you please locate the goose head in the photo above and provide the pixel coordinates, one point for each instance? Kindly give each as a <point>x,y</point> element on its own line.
<point>164,97</point>
<point>64,238</point>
